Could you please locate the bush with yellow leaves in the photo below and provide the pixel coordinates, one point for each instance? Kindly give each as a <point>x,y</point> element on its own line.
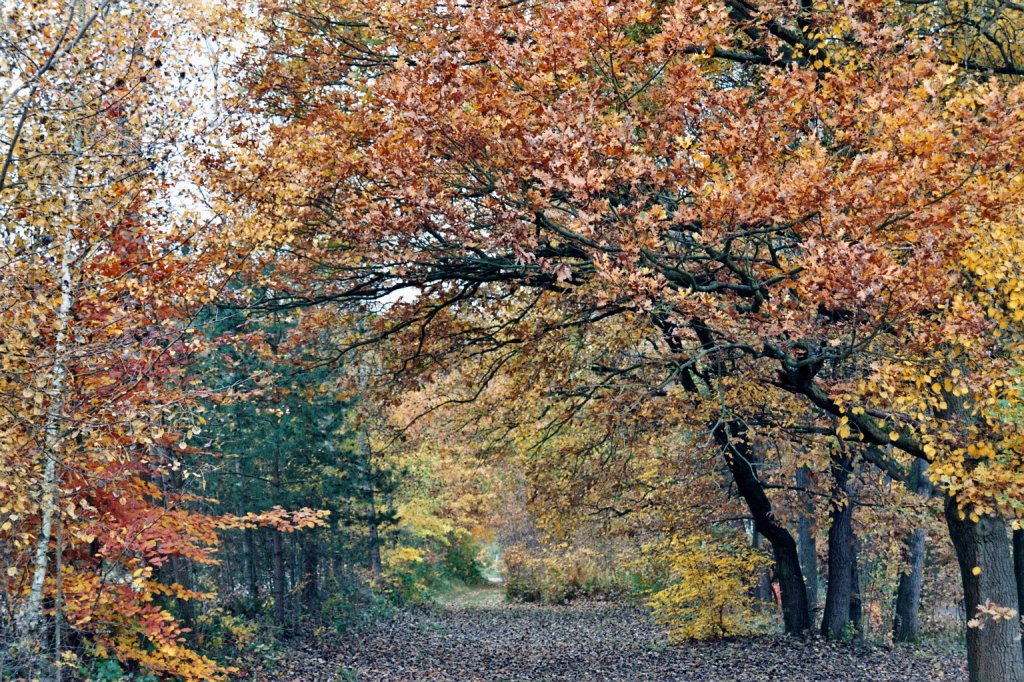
<point>407,575</point>
<point>709,590</point>
<point>558,574</point>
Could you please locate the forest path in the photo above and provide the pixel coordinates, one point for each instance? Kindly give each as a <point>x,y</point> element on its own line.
<point>490,596</point>
<point>476,637</point>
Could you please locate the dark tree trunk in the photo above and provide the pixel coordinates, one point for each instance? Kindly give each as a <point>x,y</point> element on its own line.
<point>1018,570</point>
<point>310,569</point>
<point>806,546</point>
<point>906,626</point>
<point>840,555</point>
<point>278,550</point>
<point>763,591</point>
<point>739,457</point>
<point>983,552</point>
<point>372,523</point>
<point>226,573</point>
<point>907,621</point>
<point>250,565</point>
<point>296,572</point>
<point>176,570</point>
<point>279,578</point>
<point>856,603</point>
<point>186,607</point>
<point>375,563</point>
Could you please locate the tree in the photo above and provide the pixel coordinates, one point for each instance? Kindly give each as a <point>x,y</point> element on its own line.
<point>289,435</point>
<point>103,271</point>
<point>907,622</point>
<point>792,202</point>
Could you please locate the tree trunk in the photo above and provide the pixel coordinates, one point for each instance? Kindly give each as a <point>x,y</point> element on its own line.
<point>1018,569</point>
<point>371,519</point>
<point>278,550</point>
<point>986,568</point>
<point>739,457</point>
<point>295,575</point>
<point>763,591</point>
<point>186,607</point>
<point>279,586</point>
<point>371,507</point>
<point>806,546</point>
<point>856,603</point>
<point>907,619</point>
<point>250,565</point>
<point>310,568</point>
<point>225,571</point>
<point>58,601</point>
<point>840,555</point>
<point>53,440</point>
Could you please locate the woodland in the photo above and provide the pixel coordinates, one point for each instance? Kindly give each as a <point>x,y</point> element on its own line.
<point>511,340</point>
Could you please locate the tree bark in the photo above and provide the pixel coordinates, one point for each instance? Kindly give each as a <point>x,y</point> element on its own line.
<point>739,457</point>
<point>994,651</point>
<point>840,555</point>
<point>278,550</point>
<point>30,616</point>
<point>856,603</point>
<point>806,546</point>
<point>58,601</point>
<point>763,591</point>
<point>279,586</point>
<point>373,551</point>
<point>1018,570</point>
<point>186,607</point>
<point>906,619</point>
<point>295,573</point>
<point>249,547</point>
<point>310,570</point>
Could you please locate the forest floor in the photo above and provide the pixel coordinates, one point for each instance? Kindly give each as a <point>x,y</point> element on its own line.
<point>475,637</point>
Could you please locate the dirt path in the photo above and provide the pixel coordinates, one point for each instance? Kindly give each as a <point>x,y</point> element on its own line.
<point>491,597</point>
<point>478,638</point>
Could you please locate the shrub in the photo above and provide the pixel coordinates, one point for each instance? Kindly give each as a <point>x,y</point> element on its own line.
<point>226,636</point>
<point>352,606</point>
<point>407,575</point>
<point>709,595</point>
<point>556,575</point>
<point>110,670</point>
<point>460,559</point>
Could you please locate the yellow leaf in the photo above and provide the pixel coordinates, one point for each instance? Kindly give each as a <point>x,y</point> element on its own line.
<point>976,570</point>
<point>893,436</point>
